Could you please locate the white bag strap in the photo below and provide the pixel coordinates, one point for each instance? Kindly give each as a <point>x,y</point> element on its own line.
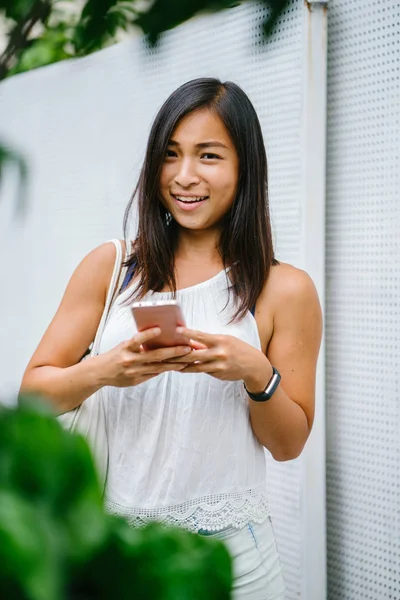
<point>117,278</point>
<point>71,418</point>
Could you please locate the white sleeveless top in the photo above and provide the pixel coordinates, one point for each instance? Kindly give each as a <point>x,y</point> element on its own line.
<point>181,448</point>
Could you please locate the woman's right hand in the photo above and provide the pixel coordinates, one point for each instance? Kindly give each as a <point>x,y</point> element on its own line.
<point>128,364</point>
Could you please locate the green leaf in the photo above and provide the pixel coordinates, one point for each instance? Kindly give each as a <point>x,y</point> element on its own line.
<point>50,465</point>
<point>167,14</point>
<point>29,556</point>
<point>54,471</point>
<point>276,8</point>
<point>17,9</point>
<point>96,22</point>
<point>163,15</point>
<point>165,563</point>
<point>10,156</point>
<point>45,50</point>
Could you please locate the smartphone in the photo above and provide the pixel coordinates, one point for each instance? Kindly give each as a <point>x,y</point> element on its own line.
<point>165,314</point>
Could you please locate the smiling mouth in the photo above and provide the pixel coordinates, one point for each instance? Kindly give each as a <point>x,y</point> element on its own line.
<point>189,199</point>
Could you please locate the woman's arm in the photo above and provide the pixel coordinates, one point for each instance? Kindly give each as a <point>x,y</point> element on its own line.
<point>54,370</point>
<point>283,423</point>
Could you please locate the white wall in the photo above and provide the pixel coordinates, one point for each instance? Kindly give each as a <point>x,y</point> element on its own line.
<point>363,291</point>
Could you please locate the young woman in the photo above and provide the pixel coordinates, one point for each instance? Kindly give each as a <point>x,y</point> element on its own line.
<point>187,426</point>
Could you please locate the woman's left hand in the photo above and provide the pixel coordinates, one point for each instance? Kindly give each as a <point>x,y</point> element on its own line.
<point>224,357</point>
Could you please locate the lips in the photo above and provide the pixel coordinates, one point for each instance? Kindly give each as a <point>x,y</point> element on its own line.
<point>188,203</point>
<point>189,199</point>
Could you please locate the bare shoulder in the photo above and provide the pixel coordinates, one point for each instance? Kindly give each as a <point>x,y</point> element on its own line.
<point>102,257</point>
<point>293,300</point>
<point>289,294</point>
<point>79,313</point>
<point>95,269</point>
<point>288,283</point>
<point>288,301</point>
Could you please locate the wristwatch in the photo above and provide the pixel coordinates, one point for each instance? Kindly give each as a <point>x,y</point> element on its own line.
<point>269,390</point>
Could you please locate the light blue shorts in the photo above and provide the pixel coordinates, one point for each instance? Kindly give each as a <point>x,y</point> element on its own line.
<point>256,565</point>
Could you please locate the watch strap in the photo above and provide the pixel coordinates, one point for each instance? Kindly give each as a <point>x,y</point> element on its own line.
<point>269,390</point>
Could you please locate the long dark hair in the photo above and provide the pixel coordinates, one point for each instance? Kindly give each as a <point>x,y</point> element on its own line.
<point>246,239</point>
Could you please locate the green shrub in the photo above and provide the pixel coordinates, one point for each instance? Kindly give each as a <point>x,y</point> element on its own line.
<point>56,541</point>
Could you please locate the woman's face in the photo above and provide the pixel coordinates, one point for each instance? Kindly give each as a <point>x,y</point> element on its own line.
<point>200,171</point>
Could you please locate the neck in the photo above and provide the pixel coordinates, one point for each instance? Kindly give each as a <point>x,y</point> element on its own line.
<point>198,246</point>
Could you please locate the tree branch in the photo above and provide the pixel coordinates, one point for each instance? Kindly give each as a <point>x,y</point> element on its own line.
<point>19,36</point>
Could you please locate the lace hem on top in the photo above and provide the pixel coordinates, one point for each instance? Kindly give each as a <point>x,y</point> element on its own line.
<point>211,513</point>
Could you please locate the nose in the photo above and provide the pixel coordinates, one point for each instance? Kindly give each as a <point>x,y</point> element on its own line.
<point>186,174</point>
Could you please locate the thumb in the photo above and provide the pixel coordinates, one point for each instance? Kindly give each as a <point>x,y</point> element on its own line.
<point>142,337</point>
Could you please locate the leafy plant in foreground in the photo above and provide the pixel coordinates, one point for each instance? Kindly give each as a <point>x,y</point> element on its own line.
<point>56,541</point>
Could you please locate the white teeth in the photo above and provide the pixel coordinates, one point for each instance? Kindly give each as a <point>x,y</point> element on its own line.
<point>192,199</point>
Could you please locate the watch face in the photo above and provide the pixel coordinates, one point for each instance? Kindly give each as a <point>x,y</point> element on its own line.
<point>271,385</point>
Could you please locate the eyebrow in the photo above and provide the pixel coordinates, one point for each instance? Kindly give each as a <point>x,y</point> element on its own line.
<point>210,144</point>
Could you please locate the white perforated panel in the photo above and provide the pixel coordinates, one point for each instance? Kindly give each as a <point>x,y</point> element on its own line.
<point>363,309</point>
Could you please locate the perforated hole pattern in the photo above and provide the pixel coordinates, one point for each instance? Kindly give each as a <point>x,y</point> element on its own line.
<point>363,300</point>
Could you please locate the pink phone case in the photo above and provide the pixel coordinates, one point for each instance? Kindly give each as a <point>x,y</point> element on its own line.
<point>164,314</point>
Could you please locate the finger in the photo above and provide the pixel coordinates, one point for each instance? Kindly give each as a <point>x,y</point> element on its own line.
<point>147,376</point>
<point>196,356</point>
<point>207,339</point>
<point>163,354</point>
<point>157,368</point>
<point>210,367</point>
<point>197,345</point>
<point>142,337</point>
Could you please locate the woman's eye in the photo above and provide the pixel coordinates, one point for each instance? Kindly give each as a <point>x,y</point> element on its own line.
<point>170,154</point>
<point>210,156</point>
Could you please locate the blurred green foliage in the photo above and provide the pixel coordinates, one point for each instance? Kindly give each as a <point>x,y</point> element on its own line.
<point>41,32</point>
<point>8,155</point>
<point>56,541</point>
